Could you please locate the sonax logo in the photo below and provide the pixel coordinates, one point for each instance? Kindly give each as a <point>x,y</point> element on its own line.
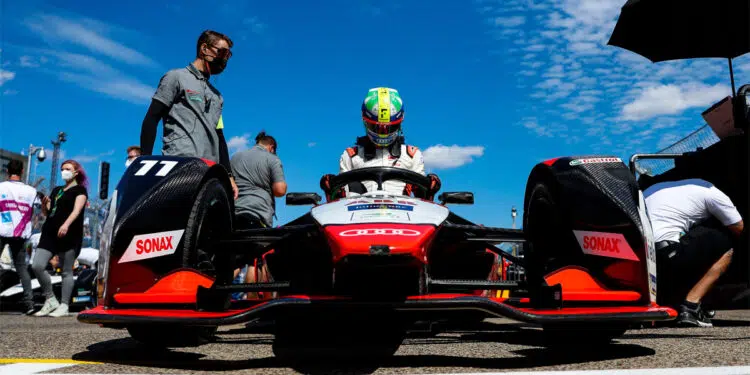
<point>612,245</point>
<point>146,246</point>
<point>379,232</point>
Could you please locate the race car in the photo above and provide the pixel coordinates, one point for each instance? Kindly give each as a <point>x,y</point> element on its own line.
<point>355,272</point>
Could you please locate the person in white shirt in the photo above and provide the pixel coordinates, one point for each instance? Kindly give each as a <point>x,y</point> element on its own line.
<point>16,210</point>
<point>691,254</point>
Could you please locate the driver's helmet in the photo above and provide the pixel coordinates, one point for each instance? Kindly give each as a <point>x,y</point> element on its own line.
<point>382,114</point>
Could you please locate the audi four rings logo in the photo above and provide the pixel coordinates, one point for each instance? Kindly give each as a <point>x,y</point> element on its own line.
<point>379,232</point>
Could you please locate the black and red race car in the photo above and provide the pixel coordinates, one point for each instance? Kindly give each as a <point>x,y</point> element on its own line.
<point>356,272</point>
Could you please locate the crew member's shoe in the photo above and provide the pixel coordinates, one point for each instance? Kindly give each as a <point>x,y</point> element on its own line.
<point>61,310</point>
<point>689,317</point>
<point>49,305</point>
<point>29,309</point>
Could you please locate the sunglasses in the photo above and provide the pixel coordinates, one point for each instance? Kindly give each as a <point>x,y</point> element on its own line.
<point>222,53</point>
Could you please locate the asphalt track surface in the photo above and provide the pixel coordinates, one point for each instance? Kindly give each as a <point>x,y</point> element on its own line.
<point>63,345</point>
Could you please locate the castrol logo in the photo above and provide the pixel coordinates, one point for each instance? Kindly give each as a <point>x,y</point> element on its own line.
<point>379,232</point>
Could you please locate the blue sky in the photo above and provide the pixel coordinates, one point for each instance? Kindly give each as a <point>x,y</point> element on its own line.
<point>491,87</point>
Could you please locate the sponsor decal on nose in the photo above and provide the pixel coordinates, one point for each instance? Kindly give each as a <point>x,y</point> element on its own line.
<point>152,245</point>
<point>379,232</point>
<point>612,245</point>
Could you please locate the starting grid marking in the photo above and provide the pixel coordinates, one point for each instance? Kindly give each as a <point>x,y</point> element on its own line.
<point>32,366</point>
<point>727,370</point>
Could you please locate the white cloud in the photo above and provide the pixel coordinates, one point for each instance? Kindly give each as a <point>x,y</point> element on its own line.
<point>445,157</point>
<point>672,99</point>
<point>513,21</point>
<point>5,76</point>
<point>86,158</point>
<point>582,89</point>
<point>56,28</point>
<point>28,62</point>
<point>311,144</point>
<point>123,88</point>
<point>10,92</point>
<point>238,143</point>
<point>96,75</point>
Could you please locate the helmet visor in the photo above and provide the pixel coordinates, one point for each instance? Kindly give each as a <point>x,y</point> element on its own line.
<point>381,128</point>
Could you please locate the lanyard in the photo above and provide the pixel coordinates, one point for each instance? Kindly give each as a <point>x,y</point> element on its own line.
<point>57,197</point>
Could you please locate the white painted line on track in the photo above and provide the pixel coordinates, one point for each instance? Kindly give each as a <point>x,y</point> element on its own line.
<point>727,370</point>
<point>30,368</point>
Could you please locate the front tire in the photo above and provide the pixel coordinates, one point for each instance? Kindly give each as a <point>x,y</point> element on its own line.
<point>210,218</point>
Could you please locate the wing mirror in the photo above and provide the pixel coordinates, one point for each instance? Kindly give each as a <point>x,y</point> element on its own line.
<point>458,197</point>
<point>302,199</point>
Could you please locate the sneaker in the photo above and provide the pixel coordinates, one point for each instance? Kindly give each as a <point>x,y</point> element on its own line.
<point>29,310</point>
<point>693,318</point>
<point>61,310</point>
<point>49,305</point>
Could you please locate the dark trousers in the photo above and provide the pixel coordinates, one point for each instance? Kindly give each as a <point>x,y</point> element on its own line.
<point>681,265</point>
<point>19,261</point>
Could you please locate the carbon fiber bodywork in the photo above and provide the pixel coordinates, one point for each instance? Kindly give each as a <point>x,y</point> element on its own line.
<point>151,201</point>
<point>599,194</point>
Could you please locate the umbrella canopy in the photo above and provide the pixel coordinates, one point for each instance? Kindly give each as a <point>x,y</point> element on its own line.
<point>661,30</point>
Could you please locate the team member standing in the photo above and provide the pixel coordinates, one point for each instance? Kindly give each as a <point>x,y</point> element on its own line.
<point>690,254</point>
<point>16,209</point>
<point>62,235</point>
<point>191,107</point>
<point>260,178</point>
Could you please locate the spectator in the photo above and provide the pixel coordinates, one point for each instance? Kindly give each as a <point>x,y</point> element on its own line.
<point>691,254</point>
<point>133,153</point>
<point>62,235</point>
<point>191,107</point>
<point>16,209</point>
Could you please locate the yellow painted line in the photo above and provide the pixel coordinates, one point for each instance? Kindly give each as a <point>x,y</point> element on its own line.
<point>46,360</point>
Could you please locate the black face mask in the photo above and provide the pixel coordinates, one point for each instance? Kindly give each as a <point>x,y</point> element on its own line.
<point>217,65</point>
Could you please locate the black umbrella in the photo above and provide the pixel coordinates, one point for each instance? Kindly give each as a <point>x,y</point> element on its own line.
<point>661,30</point>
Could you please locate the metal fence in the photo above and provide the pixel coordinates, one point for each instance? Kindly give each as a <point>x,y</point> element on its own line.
<point>703,137</point>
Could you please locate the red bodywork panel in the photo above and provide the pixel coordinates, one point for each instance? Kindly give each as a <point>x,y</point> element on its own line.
<point>178,287</point>
<point>579,285</point>
<point>357,239</point>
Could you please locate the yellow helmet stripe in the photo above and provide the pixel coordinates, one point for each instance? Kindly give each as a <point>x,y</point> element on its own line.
<point>384,105</point>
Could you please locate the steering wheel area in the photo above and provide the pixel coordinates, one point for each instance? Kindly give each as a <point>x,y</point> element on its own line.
<point>423,186</point>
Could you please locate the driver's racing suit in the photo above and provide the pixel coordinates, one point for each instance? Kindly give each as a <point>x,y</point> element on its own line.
<point>397,155</point>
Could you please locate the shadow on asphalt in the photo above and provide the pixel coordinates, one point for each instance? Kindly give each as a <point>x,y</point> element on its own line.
<point>730,323</point>
<point>129,352</point>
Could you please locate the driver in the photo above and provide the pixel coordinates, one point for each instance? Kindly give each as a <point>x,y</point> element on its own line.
<point>383,145</point>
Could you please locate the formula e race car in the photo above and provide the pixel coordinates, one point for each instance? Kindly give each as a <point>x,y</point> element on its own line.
<point>358,270</point>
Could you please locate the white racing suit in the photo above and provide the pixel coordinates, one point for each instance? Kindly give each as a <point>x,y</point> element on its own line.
<point>397,155</point>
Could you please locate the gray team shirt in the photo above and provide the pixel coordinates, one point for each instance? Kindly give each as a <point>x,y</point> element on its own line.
<point>255,171</point>
<point>194,114</point>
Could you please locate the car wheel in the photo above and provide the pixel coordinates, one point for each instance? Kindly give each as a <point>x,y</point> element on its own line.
<point>542,225</point>
<point>210,218</point>
<point>161,336</point>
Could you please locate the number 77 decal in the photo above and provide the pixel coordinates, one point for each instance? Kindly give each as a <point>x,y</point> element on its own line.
<point>149,164</point>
